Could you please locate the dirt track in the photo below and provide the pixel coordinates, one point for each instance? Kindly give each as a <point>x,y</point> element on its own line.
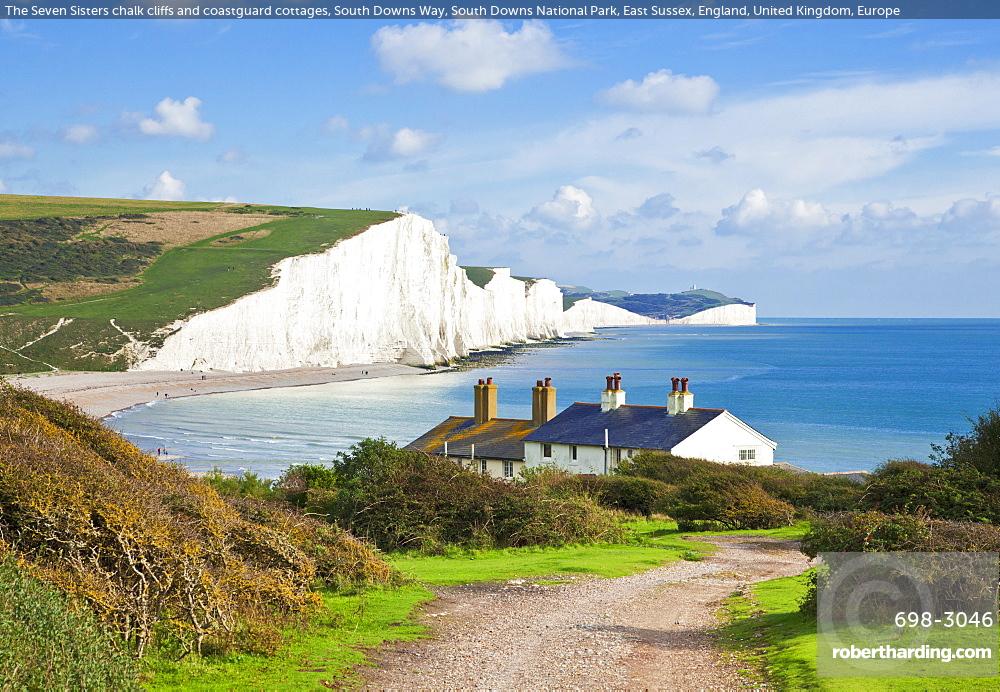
<point>646,631</point>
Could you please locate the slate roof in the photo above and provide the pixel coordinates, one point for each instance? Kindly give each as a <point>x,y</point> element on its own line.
<point>500,438</point>
<point>636,427</point>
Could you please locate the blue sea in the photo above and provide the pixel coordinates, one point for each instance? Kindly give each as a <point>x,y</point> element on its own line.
<point>836,394</point>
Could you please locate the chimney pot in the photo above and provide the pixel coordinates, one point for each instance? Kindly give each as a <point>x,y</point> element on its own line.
<point>684,384</point>
<point>548,381</point>
<point>610,379</point>
<point>489,380</point>
<point>675,383</point>
<point>482,381</point>
<point>538,383</point>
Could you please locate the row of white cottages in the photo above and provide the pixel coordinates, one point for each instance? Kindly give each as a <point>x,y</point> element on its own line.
<point>591,438</point>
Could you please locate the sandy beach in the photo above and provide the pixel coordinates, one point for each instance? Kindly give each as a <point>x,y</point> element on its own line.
<point>102,393</point>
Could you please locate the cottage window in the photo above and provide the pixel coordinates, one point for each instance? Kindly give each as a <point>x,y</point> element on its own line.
<point>482,466</point>
<point>547,451</point>
<point>508,469</point>
<point>573,451</point>
<point>748,454</point>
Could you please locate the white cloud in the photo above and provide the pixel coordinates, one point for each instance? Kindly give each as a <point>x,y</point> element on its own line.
<point>973,217</point>
<point>756,213</point>
<point>165,187</point>
<point>80,134</point>
<point>178,119</point>
<point>664,92</point>
<point>569,206</point>
<point>385,144</point>
<point>15,150</point>
<point>715,154</point>
<point>478,55</point>
<point>337,123</point>
<point>233,156</point>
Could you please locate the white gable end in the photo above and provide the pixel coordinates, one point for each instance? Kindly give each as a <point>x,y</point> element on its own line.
<point>727,440</point>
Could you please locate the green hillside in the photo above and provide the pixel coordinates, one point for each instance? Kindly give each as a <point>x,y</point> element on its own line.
<point>483,275</point>
<point>166,286</point>
<point>662,306</point>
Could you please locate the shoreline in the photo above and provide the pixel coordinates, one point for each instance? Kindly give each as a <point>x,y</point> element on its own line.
<point>102,394</point>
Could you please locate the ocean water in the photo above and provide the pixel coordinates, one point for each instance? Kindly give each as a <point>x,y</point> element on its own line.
<point>836,394</point>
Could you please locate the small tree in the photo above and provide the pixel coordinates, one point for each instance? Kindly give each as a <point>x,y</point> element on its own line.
<point>979,449</point>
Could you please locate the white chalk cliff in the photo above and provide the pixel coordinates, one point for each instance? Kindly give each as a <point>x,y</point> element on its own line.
<point>585,314</point>
<point>393,293</point>
<point>734,315</point>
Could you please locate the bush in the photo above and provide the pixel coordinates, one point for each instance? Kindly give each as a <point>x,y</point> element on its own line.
<point>298,481</point>
<point>405,500</point>
<point>943,492</point>
<point>631,494</point>
<point>732,503</point>
<point>247,484</point>
<point>875,532</point>
<point>45,644</point>
<point>804,491</point>
<point>979,449</point>
<point>155,552</point>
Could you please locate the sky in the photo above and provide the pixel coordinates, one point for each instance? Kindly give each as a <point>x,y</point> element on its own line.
<point>819,168</point>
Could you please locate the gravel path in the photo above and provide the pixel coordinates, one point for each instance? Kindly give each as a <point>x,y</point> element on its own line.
<point>647,631</point>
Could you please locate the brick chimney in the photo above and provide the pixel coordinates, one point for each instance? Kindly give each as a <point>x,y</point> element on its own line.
<point>613,395</point>
<point>680,399</point>
<point>543,402</point>
<point>485,401</point>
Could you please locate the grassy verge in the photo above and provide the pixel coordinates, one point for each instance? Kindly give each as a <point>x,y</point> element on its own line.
<point>657,543</point>
<point>323,654</point>
<point>777,644</point>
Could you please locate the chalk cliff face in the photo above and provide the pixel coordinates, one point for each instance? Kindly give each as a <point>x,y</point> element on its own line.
<point>730,315</point>
<point>585,314</point>
<point>393,293</point>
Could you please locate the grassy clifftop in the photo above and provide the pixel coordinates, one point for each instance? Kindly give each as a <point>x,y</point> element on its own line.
<point>661,306</point>
<point>82,279</point>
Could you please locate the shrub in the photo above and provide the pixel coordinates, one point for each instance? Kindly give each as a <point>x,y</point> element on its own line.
<point>45,644</point>
<point>804,491</point>
<point>877,532</point>
<point>874,532</point>
<point>632,494</point>
<point>979,449</point>
<point>155,552</point>
<point>943,492</point>
<point>342,561</point>
<point>247,484</point>
<point>863,532</point>
<point>732,503</point>
<point>405,500</point>
<point>297,481</point>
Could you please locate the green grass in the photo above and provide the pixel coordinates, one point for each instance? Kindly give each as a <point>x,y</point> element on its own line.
<point>34,207</point>
<point>479,275</point>
<point>325,653</point>
<point>181,282</point>
<point>654,543</point>
<point>794,532</point>
<point>773,639</point>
